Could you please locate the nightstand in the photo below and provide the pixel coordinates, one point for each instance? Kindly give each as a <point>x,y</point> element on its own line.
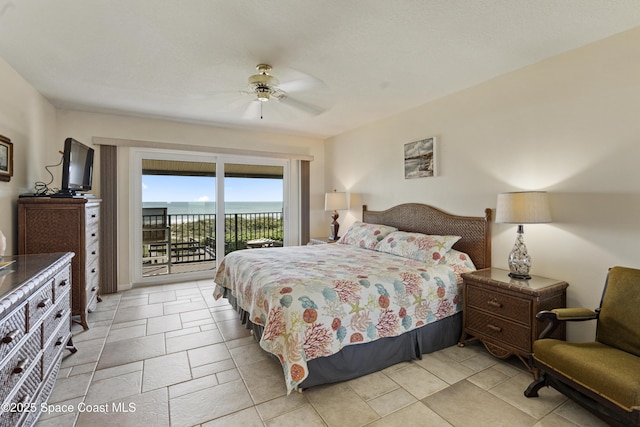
<point>320,241</point>
<point>501,311</point>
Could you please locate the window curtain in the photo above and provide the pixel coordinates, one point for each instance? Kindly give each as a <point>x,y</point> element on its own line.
<point>304,201</point>
<point>108,219</point>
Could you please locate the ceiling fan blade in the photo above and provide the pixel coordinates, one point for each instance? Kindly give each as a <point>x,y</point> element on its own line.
<point>292,80</point>
<point>229,101</point>
<point>301,85</point>
<point>306,107</point>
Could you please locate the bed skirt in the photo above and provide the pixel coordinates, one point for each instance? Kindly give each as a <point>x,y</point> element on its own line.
<point>361,359</point>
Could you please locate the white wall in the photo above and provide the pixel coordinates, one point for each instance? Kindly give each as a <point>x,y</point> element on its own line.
<point>84,126</point>
<point>29,121</point>
<point>568,125</point>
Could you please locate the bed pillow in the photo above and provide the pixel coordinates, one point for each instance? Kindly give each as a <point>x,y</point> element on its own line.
<point>365,235</point>
<point>459,262</point>
<point>418,246</point>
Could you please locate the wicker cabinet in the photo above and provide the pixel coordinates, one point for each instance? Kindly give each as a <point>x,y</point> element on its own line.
<point>48,225</point>
<point>501,311</point>
<point>35,328</point>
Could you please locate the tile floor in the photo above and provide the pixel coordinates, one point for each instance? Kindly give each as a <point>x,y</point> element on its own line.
<point>172,356</point>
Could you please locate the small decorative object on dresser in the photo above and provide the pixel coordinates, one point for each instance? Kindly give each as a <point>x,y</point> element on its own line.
<point>48,225</point>
<point>35,328</point>
<point>501,311</point>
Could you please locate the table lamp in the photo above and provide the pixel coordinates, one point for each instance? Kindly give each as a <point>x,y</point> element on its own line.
<point>333,202</point>
<point>524,207</point>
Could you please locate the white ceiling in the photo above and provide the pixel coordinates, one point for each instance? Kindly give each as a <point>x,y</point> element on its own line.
<point>188,60</point>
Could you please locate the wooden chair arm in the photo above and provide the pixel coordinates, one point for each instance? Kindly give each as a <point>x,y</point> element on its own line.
<point>558,315</point>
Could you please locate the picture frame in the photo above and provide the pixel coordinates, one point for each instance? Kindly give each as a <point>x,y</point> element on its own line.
<point>6,159</point>
<point>420,159</point>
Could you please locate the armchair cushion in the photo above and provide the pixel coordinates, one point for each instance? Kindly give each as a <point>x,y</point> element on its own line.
<point>607,371</point>
<point>619,320</point>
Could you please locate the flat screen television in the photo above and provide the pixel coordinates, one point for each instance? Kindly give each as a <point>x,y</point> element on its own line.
<point>77,168</point>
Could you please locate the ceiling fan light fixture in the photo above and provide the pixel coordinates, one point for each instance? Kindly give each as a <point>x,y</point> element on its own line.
<point>263,93</point>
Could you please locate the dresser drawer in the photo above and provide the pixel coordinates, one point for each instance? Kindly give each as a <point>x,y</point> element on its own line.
<point>57,340</point>
<point>12,330</point>
<point>498,303</point>
<point>55,317</point>
<point>92,222</point>
<point>497,329</point>
<point>40,303</point>
<point>93,252</point>
<point>18,404</point>
<point>18,365</point>
<point>92,278</point>
<point>62,284</point>
<point>92,295</point>
<point>92,213</point>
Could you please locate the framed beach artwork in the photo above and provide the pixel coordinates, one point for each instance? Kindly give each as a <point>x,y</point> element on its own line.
<point>6,159</point>
<point>420,159</point>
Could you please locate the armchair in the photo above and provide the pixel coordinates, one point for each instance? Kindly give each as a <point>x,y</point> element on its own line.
<point>604,375</point>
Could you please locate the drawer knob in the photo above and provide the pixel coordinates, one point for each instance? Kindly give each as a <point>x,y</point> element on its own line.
<point>494,303</point>
<point>93,252</point>
<point>59,341</point>
<point>93,289</point>
<point>93,215</point>
<point>59,314</point>
<point>93,270</point>
<point>21,366</point>
<point>93,234</point>
<point>9,337</point>
<point>494,328</point>
<point>44,303</point>
<point>63,283</point>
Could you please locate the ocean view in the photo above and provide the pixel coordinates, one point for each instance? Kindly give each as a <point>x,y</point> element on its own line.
<point>196,208</point>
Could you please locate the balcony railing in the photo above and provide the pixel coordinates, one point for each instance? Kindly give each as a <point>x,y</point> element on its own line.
<point>174,239</point>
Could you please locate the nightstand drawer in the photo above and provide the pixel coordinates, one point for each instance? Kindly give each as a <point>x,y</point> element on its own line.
<point>508,306</point>
<point>494,328</point>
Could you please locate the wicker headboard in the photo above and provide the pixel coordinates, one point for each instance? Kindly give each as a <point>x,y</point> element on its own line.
<point>419,218</point>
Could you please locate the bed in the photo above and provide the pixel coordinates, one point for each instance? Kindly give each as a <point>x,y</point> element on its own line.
<point>379,296</point>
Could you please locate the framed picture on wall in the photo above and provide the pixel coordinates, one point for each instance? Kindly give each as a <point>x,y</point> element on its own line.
<point>6,159</point>
<point>420,158</point>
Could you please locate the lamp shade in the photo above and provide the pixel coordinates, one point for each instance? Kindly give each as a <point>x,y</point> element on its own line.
<point>335,201</point>
<point>524,207</point>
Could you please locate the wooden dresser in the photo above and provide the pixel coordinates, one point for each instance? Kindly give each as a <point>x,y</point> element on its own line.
<point>501,311</point>
<point>48,225</point>
<point>35,327</point>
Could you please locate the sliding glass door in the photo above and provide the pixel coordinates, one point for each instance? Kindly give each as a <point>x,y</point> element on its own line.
<point>253,207</point>
<point>192,210</point>
<point>178,216</point>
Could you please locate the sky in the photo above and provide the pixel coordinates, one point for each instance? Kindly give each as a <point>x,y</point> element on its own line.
<point>161,188</point>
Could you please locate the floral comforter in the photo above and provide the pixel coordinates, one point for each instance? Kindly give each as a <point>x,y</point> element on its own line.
<point>314,300</point>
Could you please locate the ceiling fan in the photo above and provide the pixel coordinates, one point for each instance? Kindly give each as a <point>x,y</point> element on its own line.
<point>267,88</point>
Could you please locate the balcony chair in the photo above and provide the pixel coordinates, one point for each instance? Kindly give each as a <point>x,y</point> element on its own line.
<point>604,375</point>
